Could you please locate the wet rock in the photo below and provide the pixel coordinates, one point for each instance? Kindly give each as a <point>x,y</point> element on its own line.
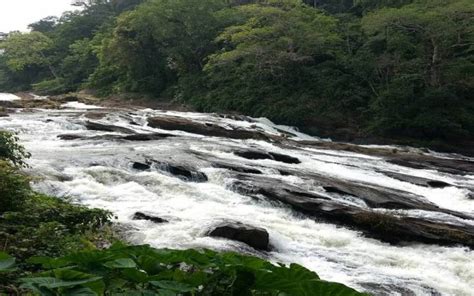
<point>384,289</point>
<point>143,216</point>
<point>95,115</point>
<point>141,166</point>
<point>386,227</point>
<point>206,129</point>
<point>112,137</point>
<point>147,137</point>
<point>256,155</point>
<point>70,137</point>
<point>417,180</point>
<point>185,173</point>
<point>450,166</point>
<point>10,104</point>
<point>470,195</point>
<point>237,168</point>
<point>409,157</point>
<point>255,237</point>
<point>237,117</point>
<point>182,172</point>
<point>95,126</point>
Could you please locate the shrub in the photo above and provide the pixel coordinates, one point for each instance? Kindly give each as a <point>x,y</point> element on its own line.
<point>14,188</point>
<point>10,150</point>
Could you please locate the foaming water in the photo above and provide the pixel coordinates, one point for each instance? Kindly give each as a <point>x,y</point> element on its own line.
<point>98,173</point>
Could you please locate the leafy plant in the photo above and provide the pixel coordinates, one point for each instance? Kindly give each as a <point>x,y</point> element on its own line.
<point>142,270</point>
<point>7,263</point>
<point>11,151</point>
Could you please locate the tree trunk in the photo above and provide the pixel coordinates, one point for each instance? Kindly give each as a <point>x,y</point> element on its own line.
<point>434,66</point>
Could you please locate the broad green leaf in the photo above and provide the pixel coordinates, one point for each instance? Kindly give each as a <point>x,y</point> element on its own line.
<point>53,283</point>
<point>172,286</point>
<point>49,263</point>
<point>7,262</point>
<point>121,263</point>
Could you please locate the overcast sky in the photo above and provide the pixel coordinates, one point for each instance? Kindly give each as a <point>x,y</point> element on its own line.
<point>18,14</point>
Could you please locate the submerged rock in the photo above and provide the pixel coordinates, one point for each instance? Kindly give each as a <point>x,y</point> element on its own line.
<point>143,216</point>
<point>255,237</point>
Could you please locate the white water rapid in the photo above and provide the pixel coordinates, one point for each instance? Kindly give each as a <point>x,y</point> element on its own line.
<point>97,172</point>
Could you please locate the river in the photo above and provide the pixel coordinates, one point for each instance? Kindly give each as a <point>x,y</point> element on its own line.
<point>97,171</point>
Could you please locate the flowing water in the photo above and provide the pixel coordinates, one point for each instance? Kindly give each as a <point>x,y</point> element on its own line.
<point>98,173</point>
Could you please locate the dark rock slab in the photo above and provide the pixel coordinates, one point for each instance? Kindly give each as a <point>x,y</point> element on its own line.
<point>377,196</point>
<point>402,156</point>
<point>143,216</point>
<point>255,237</point>
<point>111,137</point>
<point>96,126</point>
<point>206,129</point>
<point>418,180</point>
<point>147,137</point>
<point>236,168</point>
<point>386,227</point>
<point>70,137</point>
<point>257,155</point>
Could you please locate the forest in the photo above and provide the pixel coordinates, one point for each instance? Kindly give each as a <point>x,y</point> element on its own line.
<point>396,71</point>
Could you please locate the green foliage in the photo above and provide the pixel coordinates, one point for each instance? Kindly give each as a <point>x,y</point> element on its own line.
<point>26,49</point>
<point>13,188</point>
<point>157,44</point>
<point>141,270</point>
<point>398,69</point>
<point>418,51</point>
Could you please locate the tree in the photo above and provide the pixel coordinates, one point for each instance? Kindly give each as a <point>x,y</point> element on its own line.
<point>46,25</point>
<point>271,63</point>
<point>23,50</point>
<point>422,55</point>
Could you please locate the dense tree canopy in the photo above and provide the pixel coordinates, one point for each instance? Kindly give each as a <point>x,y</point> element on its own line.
<point>399,69</point>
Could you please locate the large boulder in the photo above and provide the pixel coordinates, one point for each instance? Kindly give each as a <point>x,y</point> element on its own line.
<point>255,237</point>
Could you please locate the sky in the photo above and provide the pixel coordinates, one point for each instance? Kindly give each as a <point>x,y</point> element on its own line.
<point>18,14</point>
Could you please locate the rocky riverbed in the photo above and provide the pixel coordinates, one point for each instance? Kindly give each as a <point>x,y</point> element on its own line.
<point>385,219</point>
